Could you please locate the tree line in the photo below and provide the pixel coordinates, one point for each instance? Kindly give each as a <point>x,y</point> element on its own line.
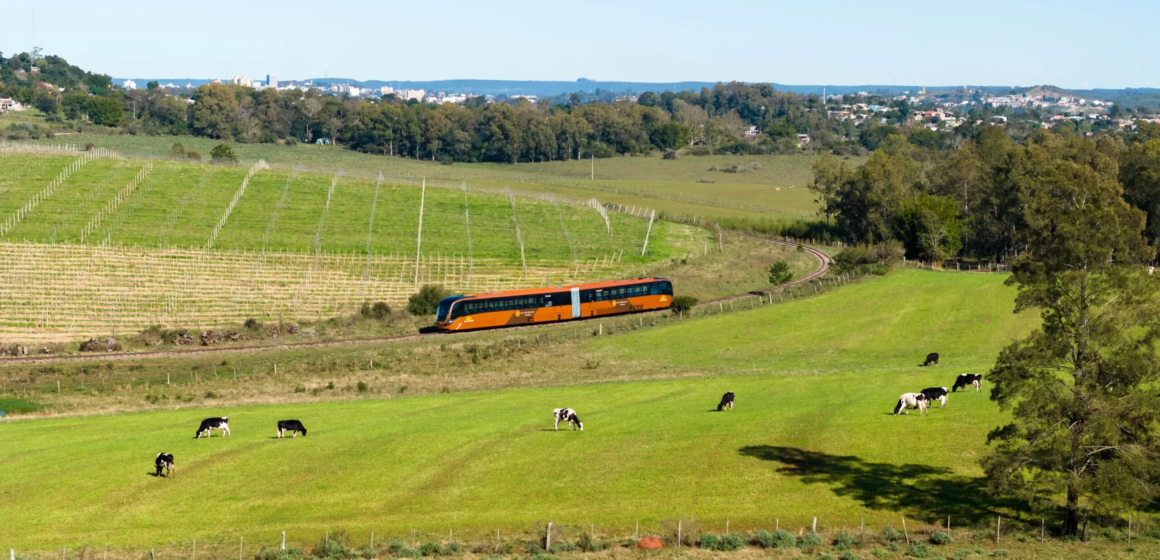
<point>970,200</point>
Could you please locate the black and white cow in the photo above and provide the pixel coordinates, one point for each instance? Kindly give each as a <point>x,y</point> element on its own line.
<point>726,402</point>
<point>290,426</point>
<point>208,424</point>
<point>567,415</point>
<point>910,400</point>
<point>967,379</point>
<point>931,359</point>
<point>936,394</point>
<point>164,462</point>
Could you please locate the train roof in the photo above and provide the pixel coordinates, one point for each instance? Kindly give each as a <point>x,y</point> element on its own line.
<point>564,288</point>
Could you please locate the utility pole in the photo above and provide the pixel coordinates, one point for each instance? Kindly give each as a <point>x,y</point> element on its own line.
<point>592,158</point>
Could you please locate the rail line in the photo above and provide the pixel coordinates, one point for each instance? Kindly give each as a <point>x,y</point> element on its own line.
<point>824,262</point>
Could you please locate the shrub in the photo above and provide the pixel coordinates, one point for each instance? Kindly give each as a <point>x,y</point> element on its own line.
<point>222,153</point>
<point>290,553</point>
<point>888,534</point>
<point>178,151</point>
<point>429,549</point>
<point>380,310</point>
<point>588,544</point>
<point>562,547</point>
<point>848,555</point>
<point>779,539</point>
<point>844,540</point>
<point>211,395</point>
<point>89,146</point>
<point>362,387</point>
<point>999,552</point>
<point>671,154</point>
<point>194,155</point>
<point>732,541</point>
<point>426,301</point>
<point>810,540</point>
<point>682,304</point>
<point>779,273</point>
<point>940,538</point>
<point>710,542</point>
<point>880,553</point>
<point>253,324</point>
<point>827,556</point>
<point>918,550</point>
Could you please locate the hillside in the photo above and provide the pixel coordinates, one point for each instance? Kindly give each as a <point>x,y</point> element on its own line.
<point>811,436</point>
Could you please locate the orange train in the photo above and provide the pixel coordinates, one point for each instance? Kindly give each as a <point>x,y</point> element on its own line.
<point>551,305</point>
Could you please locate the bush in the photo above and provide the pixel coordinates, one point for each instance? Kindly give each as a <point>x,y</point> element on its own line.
<point>918,550</point>
<point>380,310</point>
<point>880,553</point>
<point>810,540</point>
<point>429,549</point>
<point>426,301</point>
<point>194,155</point>
<point>362,386</point>
<point>671,154</point>
<point>779,273</point>
<point>177,151</point>
<point>588,544</point>
<point>844,540</point>
<point>290,553</point>
<point>779,539</point>
<point>848,555</point>
<point>854,260</point>
<point>827,556</point>
<point>682,304</point>
<point>253,324</point>
<point>710,542</point>
<point>223,153</point>
<point>732,541</point>
<point>888,534</point>
<point>940,538</point>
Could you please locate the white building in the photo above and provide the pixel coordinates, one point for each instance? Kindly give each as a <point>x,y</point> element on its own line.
<point>10,105</point>
<point>386,90</point>
<point>409,94</point>
<point>272,80</point>
<point>242,81</point>
<point>129,84</point>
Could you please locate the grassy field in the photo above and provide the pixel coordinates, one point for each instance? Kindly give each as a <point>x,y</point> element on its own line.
<point>683,186</point>
<point>801,442</point>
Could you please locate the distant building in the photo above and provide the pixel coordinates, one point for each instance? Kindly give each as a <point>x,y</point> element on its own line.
<point>752,131</point>
<point>409,94</point>
<point>7,105</point>
<point>354,91</point>
<point>272,80</point>
<point>803,138</point>
<point>999,119</point>
<point>386,90</point>
<point>242,81</point>
<point>129,84</point>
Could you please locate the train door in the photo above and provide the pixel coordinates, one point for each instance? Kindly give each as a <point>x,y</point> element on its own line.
<point>575,303</point>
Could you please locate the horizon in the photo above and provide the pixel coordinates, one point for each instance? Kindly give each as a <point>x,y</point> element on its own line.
<point>552,44</point>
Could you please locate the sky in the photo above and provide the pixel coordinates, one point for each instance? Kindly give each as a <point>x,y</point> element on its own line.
<point>1105,44</point>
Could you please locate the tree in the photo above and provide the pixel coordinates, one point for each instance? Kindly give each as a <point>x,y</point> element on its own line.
<point>1140,175</point>
<point>670,135</point>
<point>929,227</point>
<point>781,129</point>
<point>107,111</point>
<point>152,84</point>
<point>779,273</point>
<point>222,153</point>
<point>1082,389</point>
<point>829,174</point>
<point>214,111</point>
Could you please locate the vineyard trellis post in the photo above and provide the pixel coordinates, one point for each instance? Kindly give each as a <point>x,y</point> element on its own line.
<point>370,229</point>
<point>519,235</point>
<point>647,232</point>
<point>467,220</point>
<point>419,236</point>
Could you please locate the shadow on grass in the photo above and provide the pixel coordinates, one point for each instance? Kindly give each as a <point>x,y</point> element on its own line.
<point>920,491</point>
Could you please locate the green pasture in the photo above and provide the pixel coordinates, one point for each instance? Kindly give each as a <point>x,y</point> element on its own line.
<point>811,436</point>
<point>872,327</point>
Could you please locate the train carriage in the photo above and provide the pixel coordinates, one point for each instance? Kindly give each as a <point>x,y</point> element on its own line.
<point>551,305</point>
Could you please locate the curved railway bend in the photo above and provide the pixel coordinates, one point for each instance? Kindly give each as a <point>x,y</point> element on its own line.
<point>824,262</point>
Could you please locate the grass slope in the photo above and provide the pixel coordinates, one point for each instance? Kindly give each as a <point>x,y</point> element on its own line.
<point>796,446</point>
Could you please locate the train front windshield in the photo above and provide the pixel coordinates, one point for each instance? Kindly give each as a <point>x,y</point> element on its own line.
<point>445,308</point>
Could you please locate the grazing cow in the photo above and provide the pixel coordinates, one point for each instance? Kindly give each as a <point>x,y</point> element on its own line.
<point>291,426</point>
<point>568,415</point>
<point>936,394</point>
<point>208,424</point>
<point>726,402</point>
<point>910,400</point>
<point>931,359</point>
<point>966,379</point>
<point>164,462</point>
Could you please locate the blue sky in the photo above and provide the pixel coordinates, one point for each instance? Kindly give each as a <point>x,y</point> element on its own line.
<point>1014,42</point>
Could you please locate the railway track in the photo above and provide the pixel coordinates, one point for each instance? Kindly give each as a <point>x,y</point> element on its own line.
<point>824,262</point>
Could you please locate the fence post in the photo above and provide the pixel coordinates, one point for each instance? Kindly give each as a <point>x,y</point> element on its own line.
<point>904,532</point>
<point>678,533</point>
<point>814,527</point>
<point>548,537</point>
<point>998,527</point>
<point>241,541</point>
<point>283,546</point>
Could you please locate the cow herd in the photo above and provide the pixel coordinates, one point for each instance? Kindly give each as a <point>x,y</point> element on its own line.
<point>922,400</point>
<point>165,465</point>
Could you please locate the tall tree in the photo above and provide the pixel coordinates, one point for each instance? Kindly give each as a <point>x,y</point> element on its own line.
<point>1082,389</point>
